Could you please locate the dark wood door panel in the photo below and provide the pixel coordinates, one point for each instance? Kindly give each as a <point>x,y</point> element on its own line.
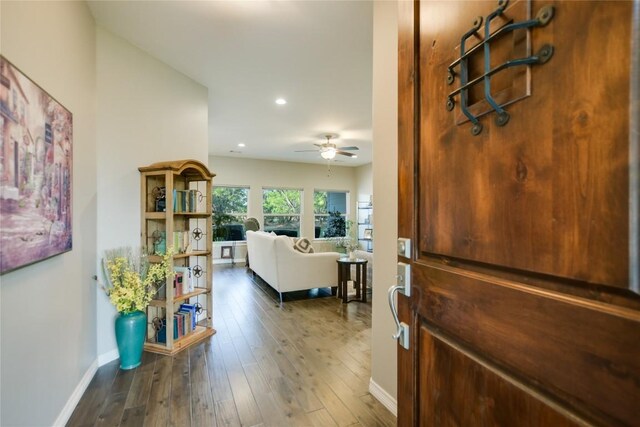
<point>406,123</point>
<point>452,380</point>
<point>522,311</point>
<point>548,192</point>
<point>563,345</point>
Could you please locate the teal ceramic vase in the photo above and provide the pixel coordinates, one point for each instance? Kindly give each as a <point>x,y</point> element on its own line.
<point>130,331</point>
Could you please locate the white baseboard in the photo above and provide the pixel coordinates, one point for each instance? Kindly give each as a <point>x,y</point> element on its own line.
<point>383,397</point>
<point>238,261</point>
<point>107,357</point>
<point>66,412</point>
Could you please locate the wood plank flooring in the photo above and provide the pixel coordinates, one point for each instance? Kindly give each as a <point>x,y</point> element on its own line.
<point>306,364</point>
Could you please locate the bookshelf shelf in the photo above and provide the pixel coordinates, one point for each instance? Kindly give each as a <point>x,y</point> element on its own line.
<point>176,214</point>
<point>365,225</point>
<point>200,333</point>
<point>156,215</point>
<point>196,292</point>
<point>158,258</point>
<point>192,253</point>
<point>193,214</point>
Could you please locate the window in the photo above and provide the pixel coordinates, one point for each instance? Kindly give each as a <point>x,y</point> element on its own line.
<point>229,213</point>
<point>330,213</point>
<point>281,209</point>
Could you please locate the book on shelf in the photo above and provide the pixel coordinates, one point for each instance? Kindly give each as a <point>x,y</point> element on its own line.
<point>191,308</point>
<point>181,242</point>
<point>178,284</point>
<point>187,279</point>
<point>183,324</point>
<point>185,201</point>
<point>180,318</point>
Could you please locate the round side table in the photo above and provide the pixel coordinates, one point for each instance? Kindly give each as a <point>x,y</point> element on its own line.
<point>344,275</point>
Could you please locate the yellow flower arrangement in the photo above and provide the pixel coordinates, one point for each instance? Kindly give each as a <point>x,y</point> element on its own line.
<point>132,280</point>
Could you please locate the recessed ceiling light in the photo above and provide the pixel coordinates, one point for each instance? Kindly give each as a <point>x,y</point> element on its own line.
<point>241,144</point>
<point>281,101</point>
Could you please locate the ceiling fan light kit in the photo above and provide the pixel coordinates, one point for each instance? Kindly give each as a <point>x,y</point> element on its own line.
<point>329,150</point>
<point>328,153</point>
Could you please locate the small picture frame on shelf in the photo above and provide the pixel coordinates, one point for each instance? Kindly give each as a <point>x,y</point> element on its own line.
<point>226,252</point>
<point>368,234</point>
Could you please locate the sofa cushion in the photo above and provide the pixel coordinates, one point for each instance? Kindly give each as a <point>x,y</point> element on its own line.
<point>302,245</point>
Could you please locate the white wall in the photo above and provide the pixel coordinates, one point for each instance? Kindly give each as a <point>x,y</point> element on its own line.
<point>266,173</point>
<point>147,112</point>
<point>385,191</point>
<point>364,181</point>
<point>48,309</point>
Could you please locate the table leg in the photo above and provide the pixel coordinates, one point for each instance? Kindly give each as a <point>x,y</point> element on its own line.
<point>339,280</point>
<point>346,276</point>
<point>364,282</point>
<point>358,274</point>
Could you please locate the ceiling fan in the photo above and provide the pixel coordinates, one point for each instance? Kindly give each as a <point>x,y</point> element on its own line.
<point>328,150</point>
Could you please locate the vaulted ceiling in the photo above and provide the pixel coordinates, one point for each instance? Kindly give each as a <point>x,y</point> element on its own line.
<point>317,55</point>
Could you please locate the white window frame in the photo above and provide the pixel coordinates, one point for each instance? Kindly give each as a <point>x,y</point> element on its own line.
<point>299,215</point>
<point>240,215</point>
<point>345,215</point>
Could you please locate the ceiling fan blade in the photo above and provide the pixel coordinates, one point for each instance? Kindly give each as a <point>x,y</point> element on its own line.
<point>306,151</point>
<point>344,153</point>
<point>319,145</point>
<point>350,148</point>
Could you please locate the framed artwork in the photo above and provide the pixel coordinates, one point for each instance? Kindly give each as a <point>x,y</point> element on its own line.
<point>36,148</point>
<point>226,252</point>
<point>368,233</point>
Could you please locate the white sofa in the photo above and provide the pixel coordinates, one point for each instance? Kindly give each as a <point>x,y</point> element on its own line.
<point>285,269</point>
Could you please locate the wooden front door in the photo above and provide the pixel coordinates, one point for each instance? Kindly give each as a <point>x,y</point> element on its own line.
<point>524,306</point>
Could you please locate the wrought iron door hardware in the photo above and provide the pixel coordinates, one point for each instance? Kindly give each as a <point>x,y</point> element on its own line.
<point>464,76</point>
<point>543,17</point>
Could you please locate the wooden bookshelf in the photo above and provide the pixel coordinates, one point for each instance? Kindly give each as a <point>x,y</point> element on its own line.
<point>176,205</point>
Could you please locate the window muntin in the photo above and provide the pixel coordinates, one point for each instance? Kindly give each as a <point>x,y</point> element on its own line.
<point>330,210</point>
<point>230,207</point>
<point>282,210</point>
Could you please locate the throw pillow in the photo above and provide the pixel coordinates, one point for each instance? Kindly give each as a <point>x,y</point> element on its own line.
<point>303,245</point>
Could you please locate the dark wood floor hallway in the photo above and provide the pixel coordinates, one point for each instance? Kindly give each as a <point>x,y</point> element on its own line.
<point>307,364</point>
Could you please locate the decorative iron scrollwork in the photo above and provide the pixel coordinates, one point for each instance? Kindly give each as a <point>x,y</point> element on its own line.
<point>543,17</point>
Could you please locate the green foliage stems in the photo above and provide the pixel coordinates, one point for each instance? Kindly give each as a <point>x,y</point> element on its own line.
<point>131,280</point>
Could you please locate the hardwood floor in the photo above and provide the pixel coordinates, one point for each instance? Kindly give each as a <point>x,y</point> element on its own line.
<point>307,364</point>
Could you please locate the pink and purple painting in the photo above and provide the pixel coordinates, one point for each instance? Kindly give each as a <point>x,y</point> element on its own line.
<point>36,135</point>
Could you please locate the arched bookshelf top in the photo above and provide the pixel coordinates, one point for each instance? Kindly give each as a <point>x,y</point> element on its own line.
<point>180,167</point>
